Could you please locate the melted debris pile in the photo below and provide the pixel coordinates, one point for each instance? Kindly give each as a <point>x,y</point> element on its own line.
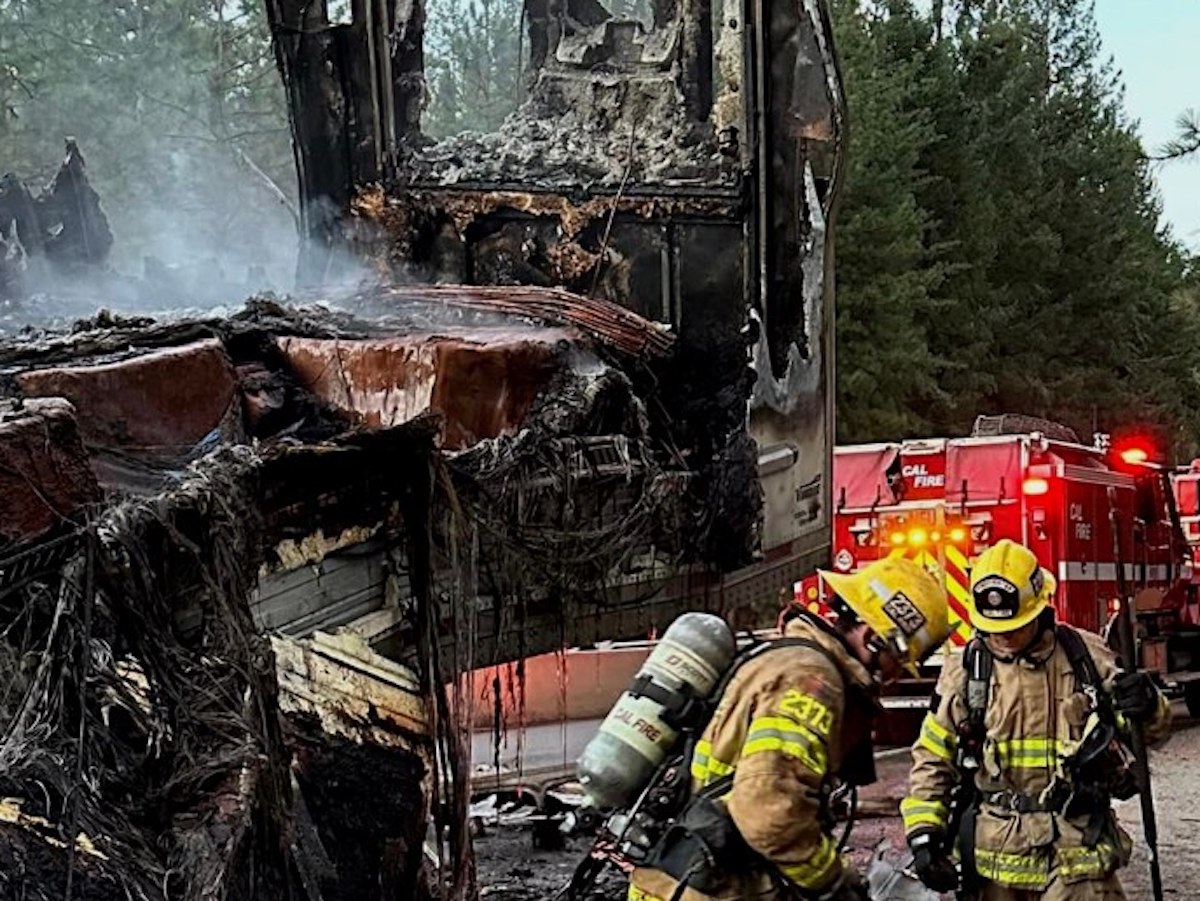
<point>142,717</point>
<point>142,738</point>
<point>156,757</point>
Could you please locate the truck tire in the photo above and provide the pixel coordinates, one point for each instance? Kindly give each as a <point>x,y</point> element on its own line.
<point>1191,698</point>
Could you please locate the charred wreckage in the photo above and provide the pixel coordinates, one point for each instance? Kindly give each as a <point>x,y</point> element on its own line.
<point>245,559</point>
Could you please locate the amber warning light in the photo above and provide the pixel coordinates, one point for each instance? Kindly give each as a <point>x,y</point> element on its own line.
<point>919,537</point>
<point>1035,485</point>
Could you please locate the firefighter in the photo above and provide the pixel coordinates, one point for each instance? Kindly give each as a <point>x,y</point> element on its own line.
<point>1020,756</point>
<point>791,719</point>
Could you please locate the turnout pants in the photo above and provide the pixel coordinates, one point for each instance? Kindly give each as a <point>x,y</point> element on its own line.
<point>1089,890</point>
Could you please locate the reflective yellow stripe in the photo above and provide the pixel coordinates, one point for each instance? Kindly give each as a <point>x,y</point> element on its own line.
<point>637,894</point>
<point>817,870</point>
<point>784,736</point>
<point>1021,870</point>
<point>705,767</point>
<point>936,738</point>
<point>1028,753</point>
<point>783,725</point>
<point>1086,862</point>
<point>919,812</point>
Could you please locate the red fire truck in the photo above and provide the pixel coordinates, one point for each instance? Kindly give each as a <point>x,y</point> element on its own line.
<point>944,500</point>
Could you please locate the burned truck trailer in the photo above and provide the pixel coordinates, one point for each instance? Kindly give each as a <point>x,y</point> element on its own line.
<point>590,388</point>
<point>683,166</point>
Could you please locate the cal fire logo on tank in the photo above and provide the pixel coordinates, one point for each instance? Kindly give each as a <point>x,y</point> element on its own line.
<point>924,476</point>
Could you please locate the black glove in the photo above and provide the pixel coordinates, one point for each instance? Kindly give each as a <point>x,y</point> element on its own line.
<point>933,865</point>
<point>1134,696</point>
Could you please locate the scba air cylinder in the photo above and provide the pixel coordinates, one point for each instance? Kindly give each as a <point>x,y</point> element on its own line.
<point>634,738</point>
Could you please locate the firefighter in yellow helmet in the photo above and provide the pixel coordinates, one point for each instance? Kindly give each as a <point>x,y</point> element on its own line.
<point>791,720</point>
<point>1021,753</point>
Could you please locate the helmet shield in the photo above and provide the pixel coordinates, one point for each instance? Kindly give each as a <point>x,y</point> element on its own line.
<point>996,598</point>
<point>1009,589</point>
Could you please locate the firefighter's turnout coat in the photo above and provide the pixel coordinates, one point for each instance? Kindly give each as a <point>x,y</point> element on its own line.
<point>781,729</point>
<point>1035,718</point>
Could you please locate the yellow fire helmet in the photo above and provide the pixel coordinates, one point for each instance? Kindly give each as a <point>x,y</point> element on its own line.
<point>1008,588</point>
<point>901,602</point>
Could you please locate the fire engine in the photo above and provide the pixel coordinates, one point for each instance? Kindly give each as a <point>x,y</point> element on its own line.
<point>944,500</point>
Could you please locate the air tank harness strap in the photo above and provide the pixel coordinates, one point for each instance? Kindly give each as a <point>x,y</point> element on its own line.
<point>1082,664</point>
<point>680,709</point>
<point>972,732</point>
<point>1092,799</point>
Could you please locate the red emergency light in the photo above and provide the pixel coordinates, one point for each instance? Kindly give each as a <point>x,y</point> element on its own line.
<point>1136,451</point>
<point>1135,455</point>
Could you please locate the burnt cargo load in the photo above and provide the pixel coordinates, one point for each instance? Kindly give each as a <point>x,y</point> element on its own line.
<point>238,551</point>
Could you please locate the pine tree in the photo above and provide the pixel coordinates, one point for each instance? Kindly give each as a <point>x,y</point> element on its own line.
<point>884,279</point>
<point>1187,139</point>
<point>1039,280</point>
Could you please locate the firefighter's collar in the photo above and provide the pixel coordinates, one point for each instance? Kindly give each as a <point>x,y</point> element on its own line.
<point>816,629</point>
<point>1037,654</point>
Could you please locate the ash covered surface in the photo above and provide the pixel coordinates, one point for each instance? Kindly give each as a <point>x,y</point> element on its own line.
<point>175,294</point>
<point>587,131</point>
<point>512,869</point>
<point>29,328</point>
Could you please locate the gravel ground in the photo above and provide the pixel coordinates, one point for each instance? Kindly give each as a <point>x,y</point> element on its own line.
<point>512,870</point>
<point>1175,775</point>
